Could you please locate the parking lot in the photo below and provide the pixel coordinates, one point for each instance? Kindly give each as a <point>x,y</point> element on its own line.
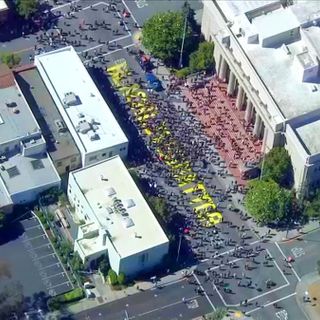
<point>32,261</point>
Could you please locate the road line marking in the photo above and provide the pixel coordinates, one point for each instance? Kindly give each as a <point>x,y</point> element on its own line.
<point>44,278</point>
<point>167,306</point>
<point>205,293</point>
<point>291,266</point>
<point>27,239</point>
<point>33,248</point>
<point>276,264</point>
<point>47,255</point>
<point>108,53</point>
<point>60,284</point>
<point>50,265</point>
<point>30,228</point>
<point>133,18</point>
<point>64,5</point>
<point>124,22</point>
<point>270,303</point>
<point>266,293</point>
<point>221,297</point>
<point>91,48</point>
<point>216,267</point>
<point>94,5</point>
<point>23,50</point>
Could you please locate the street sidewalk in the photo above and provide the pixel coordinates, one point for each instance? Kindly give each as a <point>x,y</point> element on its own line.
<point>139,286</point>
<point>301,289</point>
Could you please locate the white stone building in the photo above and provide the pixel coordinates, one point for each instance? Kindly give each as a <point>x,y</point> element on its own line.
<point>87,116</point>
<point>268,52</point>
<point>118,220</point>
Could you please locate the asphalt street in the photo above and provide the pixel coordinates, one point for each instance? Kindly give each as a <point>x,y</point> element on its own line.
<point>176,301</point>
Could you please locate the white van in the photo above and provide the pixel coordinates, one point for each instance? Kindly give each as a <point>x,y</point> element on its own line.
<point>89,294</point>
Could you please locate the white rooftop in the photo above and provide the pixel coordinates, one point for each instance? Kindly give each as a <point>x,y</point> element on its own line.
<point>79,101</point>
<point>281,69</point>
<point>16,119</point>
<point>3,5</point>
<point>309,134</point>
<point>132,227</point>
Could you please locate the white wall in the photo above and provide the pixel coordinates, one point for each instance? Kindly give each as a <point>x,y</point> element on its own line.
<point>143,261</point>
<point>32,194</point>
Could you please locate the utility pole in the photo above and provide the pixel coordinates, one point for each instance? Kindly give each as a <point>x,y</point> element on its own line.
<point>183,36</point>
<point>179,247</point>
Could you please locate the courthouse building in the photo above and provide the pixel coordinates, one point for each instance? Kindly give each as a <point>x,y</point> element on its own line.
<point>268,52</point>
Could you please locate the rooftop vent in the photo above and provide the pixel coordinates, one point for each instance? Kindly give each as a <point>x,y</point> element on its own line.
<point>83,126</point>
<point>80,115</point>
<point>11,104</point>
<point>129,203</point>
<point>127,222</point>
<point>110,192</point>
<point>93,135</point>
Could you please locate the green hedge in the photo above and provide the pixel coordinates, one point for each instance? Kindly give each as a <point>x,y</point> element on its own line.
<point>55,303</point>
<point>74,295</point>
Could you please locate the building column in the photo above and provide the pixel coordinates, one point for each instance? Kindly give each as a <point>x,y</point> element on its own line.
<point>257,125</point>
<point>223,69</point>
<point>240,96</point>
<point>248,114</point>
<point>231,84</point>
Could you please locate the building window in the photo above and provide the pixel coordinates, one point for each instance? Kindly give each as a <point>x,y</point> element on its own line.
<point>104,154</point>
<point>93,158</point>
<point>144,258</point>
<point>110,154</point>
<point>59,163</point>
<point>69,190</point>
<point>74,159</point>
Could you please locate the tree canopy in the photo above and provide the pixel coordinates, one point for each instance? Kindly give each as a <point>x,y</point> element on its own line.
<point>202,59</point>
<point>26,8</point>
<point>162,35</point>
<point>267,202</point>
<point>277,166</point>
<point>10,59</point>
<point>312,206</point>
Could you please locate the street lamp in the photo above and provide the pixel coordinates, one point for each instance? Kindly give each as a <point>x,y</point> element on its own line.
<point>179,246</point>
<point>186,12</point>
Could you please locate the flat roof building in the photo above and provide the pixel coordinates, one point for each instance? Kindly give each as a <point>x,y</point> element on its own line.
<point>269,54</point>
<point>118,220</point>
<point>25,167</point>
<point>60,143</point>
<point>86,114</point>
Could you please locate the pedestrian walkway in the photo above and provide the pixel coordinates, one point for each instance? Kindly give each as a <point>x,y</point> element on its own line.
<point>305,300</point>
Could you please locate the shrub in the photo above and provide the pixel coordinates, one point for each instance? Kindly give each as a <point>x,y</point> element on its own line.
<point>10,59</point>
<point>113,278</point>
<point>74,295</point>
<point>183,73</point>
<point>121,278</point>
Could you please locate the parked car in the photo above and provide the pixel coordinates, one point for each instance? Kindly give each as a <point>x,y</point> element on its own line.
<point>153,82</point>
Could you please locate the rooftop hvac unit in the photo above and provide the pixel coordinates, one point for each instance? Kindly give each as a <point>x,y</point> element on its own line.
<point>70,99</point>
<point>84,126</point>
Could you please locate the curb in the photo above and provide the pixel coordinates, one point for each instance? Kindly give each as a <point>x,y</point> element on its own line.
<point>301,234</point>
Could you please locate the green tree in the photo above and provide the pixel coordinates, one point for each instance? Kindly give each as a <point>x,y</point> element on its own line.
<point>312,206</point>
<point>218,314</point>
<point>2,219</point>
<point>267,202</point>
<point>26,8</point>
<point>121,278</point>
<point>10,59</point>
<point>162,35</point>
<point>159,208</point>
<point>277,166</point>
<point>202,59</point>
<point>113,278</point>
